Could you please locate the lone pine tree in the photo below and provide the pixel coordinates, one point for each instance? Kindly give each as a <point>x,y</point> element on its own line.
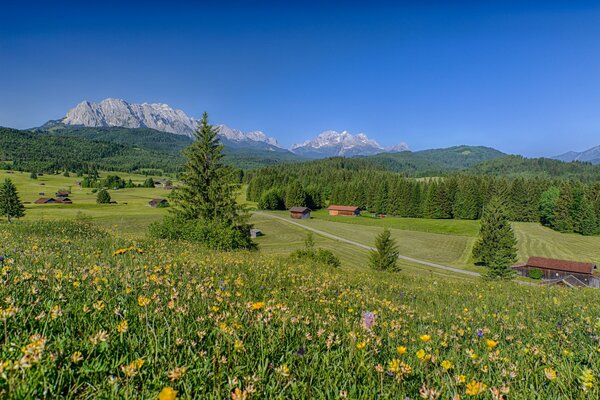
<point>385,257</point>
<point>10,203</point>
<point>496,246</point>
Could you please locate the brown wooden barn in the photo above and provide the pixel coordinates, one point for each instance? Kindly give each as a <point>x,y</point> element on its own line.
<point>571,273</point>
<point>45,200</point>
<point>62,193</point>
<point>343,210</point>
<point>300,212</point>
<point>64,200</point>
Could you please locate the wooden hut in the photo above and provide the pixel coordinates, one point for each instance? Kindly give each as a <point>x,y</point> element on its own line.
<point>254,233</point>
<point>62,193</point>
<point>45,200</point>
<point>157,203</point>
<point>300,212</point>
<point>343,210</point>
<point>572,273</point>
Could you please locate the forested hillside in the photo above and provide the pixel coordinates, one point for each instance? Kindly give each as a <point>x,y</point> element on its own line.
<point>37,152</point>
<point>565,205</point>
<point>435,161</point>
<point>541,167</point>
<point>117,149</point>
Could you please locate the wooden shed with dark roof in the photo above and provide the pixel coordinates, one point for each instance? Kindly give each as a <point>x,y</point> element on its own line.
<point>343,210</point>
<point>558,270</point>
<point>300,212</point>
<point>45,200</point>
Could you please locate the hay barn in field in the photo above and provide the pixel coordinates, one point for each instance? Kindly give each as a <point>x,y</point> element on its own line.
<point>300,212</point>
<point>570,273</point>
<point>343,210</point>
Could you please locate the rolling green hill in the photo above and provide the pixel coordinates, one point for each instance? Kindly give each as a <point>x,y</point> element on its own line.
<point>119,149</point>
<point>513,166</point>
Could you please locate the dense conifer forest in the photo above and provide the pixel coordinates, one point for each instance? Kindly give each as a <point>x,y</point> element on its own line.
<point>567,205</point>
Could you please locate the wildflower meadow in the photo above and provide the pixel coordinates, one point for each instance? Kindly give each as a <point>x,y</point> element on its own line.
<point>88,315</point>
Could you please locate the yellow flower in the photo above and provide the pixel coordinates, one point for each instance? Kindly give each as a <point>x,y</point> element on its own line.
<point>238,345</point>
<point>283,370</point>
<point>474,388</point>
<point>143,301</point>
<point>258,305</point>
<point>361,345</point>
<point>550,373</point>
<point>167,394</point>
<point>425,338</point>
<point>447,365</point>
<point>460,379</point>
<point>421,354</point>
<point>491,343</point>
<point>401,350</point>
<point>76,357</point>
<point>123,326</point>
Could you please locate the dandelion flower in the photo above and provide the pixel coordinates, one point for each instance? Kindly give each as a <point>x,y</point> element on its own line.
<point>167,394</point>
<point>425,338</point>
<point>401,350</point>
<point>550,373</point>
<point>474,388</point>
<point>123,326</point>
<point>491,344</point>
<point>447,365</point>
<point>361,345</point>
<point>257,306</point>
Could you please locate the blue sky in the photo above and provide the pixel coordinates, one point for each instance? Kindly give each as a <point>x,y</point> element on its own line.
<point>523,77</point>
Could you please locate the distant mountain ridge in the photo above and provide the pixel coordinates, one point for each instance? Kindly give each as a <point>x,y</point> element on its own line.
<point>159,116</point>
<point>110,113</point>
<point>332,143</point>
<point>591,155</point>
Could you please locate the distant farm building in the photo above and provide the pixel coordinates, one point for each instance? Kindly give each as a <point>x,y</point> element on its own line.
<point>553,271</point>
<point>300,212</point>
<point>50,200</point>
<point>45,200</point>
<point>254,233</point>
<point>62,193</point>
<point>343,210</point>
<point>157,203</point>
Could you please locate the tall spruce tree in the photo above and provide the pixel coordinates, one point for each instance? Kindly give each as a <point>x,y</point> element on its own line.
<point>496,246</point>
<point>563,210</point>
<point>208,190</point>
<point>295,196</point>
<point>385,257</point>
<point>10,203</point>
<point>547,205</point>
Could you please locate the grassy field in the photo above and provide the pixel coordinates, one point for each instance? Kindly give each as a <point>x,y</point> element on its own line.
<point>447,242</point>
<point>443,226</point>
<point>533,239</point>
<point>90,315</point>
<point>130,216</point>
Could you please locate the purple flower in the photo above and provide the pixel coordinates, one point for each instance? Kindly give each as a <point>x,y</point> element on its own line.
<point>368,320</point>
<point>1,258</point>
<point>300,351</point>
<point>479,333</point>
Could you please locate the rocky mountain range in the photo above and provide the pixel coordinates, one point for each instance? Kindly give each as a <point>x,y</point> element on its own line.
<point>332,143</point>
<point>591,155</point>
<point>119,113</point>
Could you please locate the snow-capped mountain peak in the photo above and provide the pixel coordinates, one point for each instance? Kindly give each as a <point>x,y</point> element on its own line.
<point>332,143</point>
<point>160,116</point>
